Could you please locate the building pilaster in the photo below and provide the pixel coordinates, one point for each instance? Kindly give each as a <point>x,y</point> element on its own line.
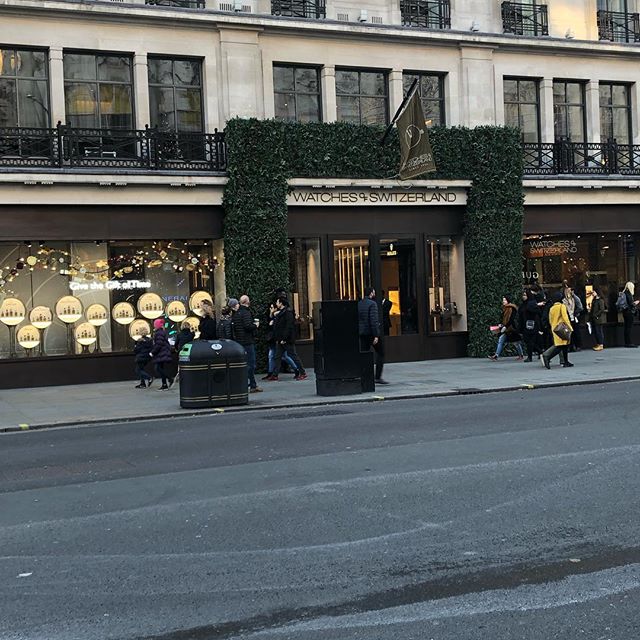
<point>329,101</point>
<point>57,107</point>
<point>141,88</point>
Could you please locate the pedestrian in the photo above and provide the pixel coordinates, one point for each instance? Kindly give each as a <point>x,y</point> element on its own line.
<point>626,305</point>
<point>574,310</point>
<point>597,317</point>
<point>284,337</point>
<point>208,328</point>
<point>561,330</point>
<point>142,353</point>
<point>369,330</point>
<point>509,329</point>
<point>244,328</point>
<point>386,305</point>
<point>225,328</point>
<point>161,353</point>
<point>531,324</point>
<point>271,343</point>
<point>185,335</point>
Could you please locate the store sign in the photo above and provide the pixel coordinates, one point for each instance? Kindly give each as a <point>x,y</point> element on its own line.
<point>110,285</point>
<point>378,197</point>
<point>544,248</point>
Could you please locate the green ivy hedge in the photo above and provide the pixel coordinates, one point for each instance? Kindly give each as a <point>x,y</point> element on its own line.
<point>263,154</point>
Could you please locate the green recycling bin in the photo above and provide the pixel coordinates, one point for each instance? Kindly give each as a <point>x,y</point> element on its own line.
<point>213,373</point>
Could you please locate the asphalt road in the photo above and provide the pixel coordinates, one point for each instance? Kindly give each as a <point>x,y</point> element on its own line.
<point>505,516</point>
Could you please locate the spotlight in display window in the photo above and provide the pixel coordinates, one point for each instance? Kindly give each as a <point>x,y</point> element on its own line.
<point>97,315</point>
<point>12,312</point>
<point>41,317</point>
<point>176,311</point>
<point>123,313</point>
<point>196,300</point>
<point>69,309</point>
<point>28,337</point>
<point>85,334</point>
<point>150,306</point>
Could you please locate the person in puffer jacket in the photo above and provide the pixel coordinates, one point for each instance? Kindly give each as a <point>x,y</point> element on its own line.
<point>161,353</point>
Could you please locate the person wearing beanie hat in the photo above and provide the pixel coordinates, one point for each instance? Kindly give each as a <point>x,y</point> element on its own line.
<point>233,304</point>
<point>161,353</point>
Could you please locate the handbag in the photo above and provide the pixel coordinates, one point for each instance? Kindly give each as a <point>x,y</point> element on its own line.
<point>530,325</point>
<point>495,329</point>
<point>563,331</point>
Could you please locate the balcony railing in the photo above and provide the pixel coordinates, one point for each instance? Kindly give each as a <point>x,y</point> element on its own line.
<point>618,26</point>
<point>147,149</point>
<point>581,158</point>
<point>180,4</point>
<point>429,14</point>
<point>525,19</point>
<point>314,9</point>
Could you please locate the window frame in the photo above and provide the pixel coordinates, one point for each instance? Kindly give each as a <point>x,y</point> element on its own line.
<point>360,71</point>
<point>295,66</point>
<point>441,77</point>
<point>16,79</point>
<point>519,102</point>
<point>612,108</point>
<point>583,105</point>
<point>97,82</point>
<point>175,86</point>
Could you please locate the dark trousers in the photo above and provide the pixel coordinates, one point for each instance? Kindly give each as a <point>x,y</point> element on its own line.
<point>598,333</point>
<point>161,373</point>
<point>250,350</point>
<point>141,374</point>
<point>291,352</point>
<point>627,316</point>
<point>552,352</point>
<point>533,342</point>
<point>366,342</point>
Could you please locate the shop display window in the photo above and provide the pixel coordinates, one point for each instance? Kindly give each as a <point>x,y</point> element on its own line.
<point>352,268</point>
<point>305,272</point>
<point>60,298</point>
<point>398,294</point>
<point>604,260</point>
<point>447,294</point>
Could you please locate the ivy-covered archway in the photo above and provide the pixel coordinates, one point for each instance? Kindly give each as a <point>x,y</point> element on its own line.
<point>264,154</point>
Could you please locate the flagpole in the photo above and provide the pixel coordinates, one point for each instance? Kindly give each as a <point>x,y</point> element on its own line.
<point>400,109</point>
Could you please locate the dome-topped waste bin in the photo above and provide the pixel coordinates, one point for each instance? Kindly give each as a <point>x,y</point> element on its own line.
<point>213,373</point>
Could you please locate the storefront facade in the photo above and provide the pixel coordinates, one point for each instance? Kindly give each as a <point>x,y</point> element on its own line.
<point>405,242</point>
<point>80,282</point>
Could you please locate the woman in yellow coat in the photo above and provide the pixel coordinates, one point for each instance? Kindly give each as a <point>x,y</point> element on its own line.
<point>557,315</point>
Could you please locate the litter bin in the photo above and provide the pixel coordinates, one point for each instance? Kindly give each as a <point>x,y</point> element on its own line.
<point>213,373</point>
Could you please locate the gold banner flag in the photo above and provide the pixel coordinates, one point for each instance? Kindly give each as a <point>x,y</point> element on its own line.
<point>416,156</point>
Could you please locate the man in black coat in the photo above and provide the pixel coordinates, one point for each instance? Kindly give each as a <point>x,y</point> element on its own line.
<point>386,306</point>
<point>369,328</point>
<point>243,329</point>
<point>284,335</point>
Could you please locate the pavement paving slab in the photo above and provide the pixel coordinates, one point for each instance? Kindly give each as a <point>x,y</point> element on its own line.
<point>41,407</point>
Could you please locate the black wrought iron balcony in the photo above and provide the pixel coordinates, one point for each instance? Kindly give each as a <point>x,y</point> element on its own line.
<point>313,9</point>
<point>146,149</point>
<point>581,158</point>
<point>180,4</point>
<point>525,19</point>
<point>428,14</point>
<point>618,26</point>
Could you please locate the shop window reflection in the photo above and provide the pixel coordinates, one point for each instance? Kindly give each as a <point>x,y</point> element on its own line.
<point>398,295</point>
<point>352,268</point>
<point>603,260</point>
<point>305,275</point>
<point>97,275</point>
<point>447,296</point>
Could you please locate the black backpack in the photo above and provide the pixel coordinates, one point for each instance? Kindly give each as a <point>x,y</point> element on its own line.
<point>622,304</point>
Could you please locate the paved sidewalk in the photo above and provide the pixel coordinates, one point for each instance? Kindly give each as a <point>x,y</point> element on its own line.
<point>51,406</point>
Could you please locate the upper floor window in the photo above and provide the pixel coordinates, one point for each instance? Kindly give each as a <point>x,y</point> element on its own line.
<point>297,93</point>
<point>615,112</point>
<point>24,90</point>
<point>175,94</point>
<point>362,96</point>
<point>431,92</point>
<point>525,18</point>
<point>299,8</point>
<point>617,22</point>
<point>430,14</point>
<point>98,90</point>
<point>569,114</point>
<point>522,107</point>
